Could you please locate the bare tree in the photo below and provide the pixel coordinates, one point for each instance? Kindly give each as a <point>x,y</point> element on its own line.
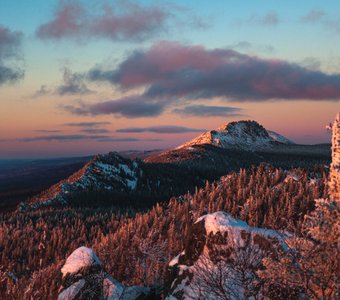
<point>228,277</point>
<point>151,254</point>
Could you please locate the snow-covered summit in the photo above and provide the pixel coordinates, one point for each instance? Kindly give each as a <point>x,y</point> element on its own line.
<point>80,258</point>
<point>246,135</point>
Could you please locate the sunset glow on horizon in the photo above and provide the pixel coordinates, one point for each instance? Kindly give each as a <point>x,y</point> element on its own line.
<point>81,77</point>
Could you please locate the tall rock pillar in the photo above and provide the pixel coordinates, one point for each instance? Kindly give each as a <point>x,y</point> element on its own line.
<point>334,176</point>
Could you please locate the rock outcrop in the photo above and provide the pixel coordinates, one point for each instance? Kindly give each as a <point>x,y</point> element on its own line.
<point>84,278</point>
<point>221,255</point>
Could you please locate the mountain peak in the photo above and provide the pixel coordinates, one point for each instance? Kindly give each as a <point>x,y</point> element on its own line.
<point>244,134</point>
<point>242,123</point>
<point>245,128</point>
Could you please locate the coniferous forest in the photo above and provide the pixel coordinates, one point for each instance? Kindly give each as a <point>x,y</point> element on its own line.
<point>136,246</point>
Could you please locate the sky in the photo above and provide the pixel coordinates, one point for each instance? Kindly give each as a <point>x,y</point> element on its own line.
<point>85,77</point>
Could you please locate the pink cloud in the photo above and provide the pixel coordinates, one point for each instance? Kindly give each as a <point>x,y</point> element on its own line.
<point>68,21</point>
<point>172,74</point>
<point>171,70</point>
<point>125,21</point>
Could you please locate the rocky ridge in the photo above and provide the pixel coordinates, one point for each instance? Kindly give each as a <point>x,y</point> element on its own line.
<point>109,172</point>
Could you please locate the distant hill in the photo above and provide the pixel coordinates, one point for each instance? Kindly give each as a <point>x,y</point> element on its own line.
<point>247,141</point>
<point>152,176</point>
<point>20,179</point>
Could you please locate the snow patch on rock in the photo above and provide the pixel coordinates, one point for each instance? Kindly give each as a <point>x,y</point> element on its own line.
<point>84,275</point>
<point>80,258</point>
<point>224,222</point>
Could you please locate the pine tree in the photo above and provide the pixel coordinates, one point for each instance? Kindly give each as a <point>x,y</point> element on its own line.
<point>311,265</point>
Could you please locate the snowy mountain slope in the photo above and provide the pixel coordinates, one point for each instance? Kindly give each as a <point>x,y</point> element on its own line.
<point>221,259</point>
<point>279,138</point>
<point>103,173</point>
<point>246,135</point>
<point>84,278</point>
